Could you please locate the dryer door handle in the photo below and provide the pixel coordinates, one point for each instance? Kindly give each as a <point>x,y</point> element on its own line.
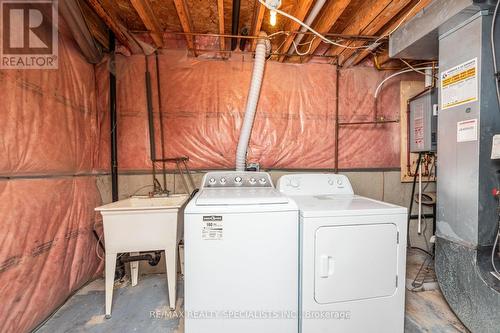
<point>326,266</point>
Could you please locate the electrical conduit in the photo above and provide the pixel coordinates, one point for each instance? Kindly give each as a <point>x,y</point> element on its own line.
<point>262,49</point>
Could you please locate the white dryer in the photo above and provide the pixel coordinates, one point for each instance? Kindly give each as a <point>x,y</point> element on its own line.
<point>241,256</point>
<point>352,257</point>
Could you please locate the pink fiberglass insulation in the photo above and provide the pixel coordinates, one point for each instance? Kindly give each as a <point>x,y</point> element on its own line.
<point>46,245</point>
<point>203,102</point>
<point>50,132</point>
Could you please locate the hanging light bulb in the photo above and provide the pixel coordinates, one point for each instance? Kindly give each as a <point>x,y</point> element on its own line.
<point>273,18</point>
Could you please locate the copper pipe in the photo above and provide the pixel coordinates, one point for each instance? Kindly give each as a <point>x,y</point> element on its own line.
<point>375,122</point>
<point>253,52</point>
<point>338,36</point>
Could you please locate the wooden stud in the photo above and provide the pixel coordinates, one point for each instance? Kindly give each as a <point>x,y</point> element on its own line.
<point>415,6</point>
<point>220,11</point>
<point>115,25</point>
<point>300,12</point>
<point>257,23</point>
<point>150,21</point>
<point>326,19</point>
<point>186,23</point>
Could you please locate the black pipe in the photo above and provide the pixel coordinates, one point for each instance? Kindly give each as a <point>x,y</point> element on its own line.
<point>112,115</point>
<point>160,111</point>
<point>425,216</point>
<point>153,261</point>
<point>243,41</point>
<point>152,141</point>
<point>235,23</point>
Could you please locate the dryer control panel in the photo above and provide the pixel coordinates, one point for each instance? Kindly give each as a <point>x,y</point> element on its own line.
<point>315,184</point>
<point>236,179</point>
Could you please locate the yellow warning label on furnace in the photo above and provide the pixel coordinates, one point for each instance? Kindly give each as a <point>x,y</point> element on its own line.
<point>459,85</point>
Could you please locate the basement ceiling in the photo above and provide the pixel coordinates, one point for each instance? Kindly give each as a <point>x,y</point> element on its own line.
<point>348,22</point>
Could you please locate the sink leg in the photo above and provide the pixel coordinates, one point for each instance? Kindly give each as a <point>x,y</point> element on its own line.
<point>134,269</point>
<point>110,264</point>
<point>171,263</point>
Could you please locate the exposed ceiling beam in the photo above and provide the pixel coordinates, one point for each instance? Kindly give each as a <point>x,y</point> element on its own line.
<point>220,11</point>
<point>114,24</point>
<point>362,20</point>
<point>326,20</point>
<point>300,12</point>
<point>414,6</point>
<point>98,29</point>
<point>150,21</point>
<point>186,23</point>
<point>257,22</point>
<point>378,23</point>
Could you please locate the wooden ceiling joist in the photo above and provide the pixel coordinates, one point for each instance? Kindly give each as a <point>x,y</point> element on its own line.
<point>220,11</point>
<point>186,23</point>
<point>150,21</point>
<point>115,25</point>
<point>413,8</point>
<point>300,12</point>
<point>361,22</point>
<point>257,22</point>
<point>378,23</point>
<point>326,19</point>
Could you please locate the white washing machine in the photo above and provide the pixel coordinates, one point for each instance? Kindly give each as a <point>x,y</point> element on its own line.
<point>241,256</point>
<point>352,257</point>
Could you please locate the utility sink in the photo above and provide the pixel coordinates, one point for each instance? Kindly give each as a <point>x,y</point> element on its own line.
<point>143,224</point>
<point>145,202</point>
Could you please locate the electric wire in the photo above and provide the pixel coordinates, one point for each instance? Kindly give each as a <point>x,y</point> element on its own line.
<point>323,38</point>
<point>493,52</point>
<point>377,91</point>
<point>370,46</point>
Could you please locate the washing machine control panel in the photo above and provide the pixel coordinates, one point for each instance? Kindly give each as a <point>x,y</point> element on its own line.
<point>228,179</point>
<point>313,184</point>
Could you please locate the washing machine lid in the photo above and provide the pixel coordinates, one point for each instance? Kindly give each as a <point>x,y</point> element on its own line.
<point>240,196</point>
<point>343,205</point>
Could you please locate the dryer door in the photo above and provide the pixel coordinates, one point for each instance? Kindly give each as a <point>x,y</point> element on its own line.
<point>355,262</point>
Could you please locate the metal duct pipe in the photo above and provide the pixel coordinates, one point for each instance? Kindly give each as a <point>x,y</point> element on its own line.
<point>235,23</point>
<point>309,21</point>
<point>262,49</point>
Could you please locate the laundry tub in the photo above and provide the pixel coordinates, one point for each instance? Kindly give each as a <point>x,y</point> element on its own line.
<point>142,224</point>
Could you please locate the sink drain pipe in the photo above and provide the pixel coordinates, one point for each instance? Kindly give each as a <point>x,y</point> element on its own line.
<point>262,49</point>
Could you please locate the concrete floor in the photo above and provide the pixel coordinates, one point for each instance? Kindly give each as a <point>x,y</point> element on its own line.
<point>144,308</point>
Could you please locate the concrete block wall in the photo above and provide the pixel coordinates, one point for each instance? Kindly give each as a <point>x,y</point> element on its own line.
<point>379,185</point>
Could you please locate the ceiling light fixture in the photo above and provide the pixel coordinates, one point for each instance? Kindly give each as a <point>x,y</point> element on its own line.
<point>272,5</point>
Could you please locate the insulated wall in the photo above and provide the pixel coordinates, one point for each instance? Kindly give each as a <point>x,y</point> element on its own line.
<point>203,103</point>
<point>48,166</point>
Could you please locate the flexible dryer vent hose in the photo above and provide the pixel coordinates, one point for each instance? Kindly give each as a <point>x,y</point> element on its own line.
<point>262,49</point>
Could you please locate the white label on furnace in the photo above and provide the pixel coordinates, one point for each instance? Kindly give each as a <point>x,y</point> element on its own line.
<point>212,228</point>
<point>459,85</point>
<point>467,130</point>
<point>418,124</point>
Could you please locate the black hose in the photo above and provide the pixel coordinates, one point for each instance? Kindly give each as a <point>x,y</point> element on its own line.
<point>235,23</point>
